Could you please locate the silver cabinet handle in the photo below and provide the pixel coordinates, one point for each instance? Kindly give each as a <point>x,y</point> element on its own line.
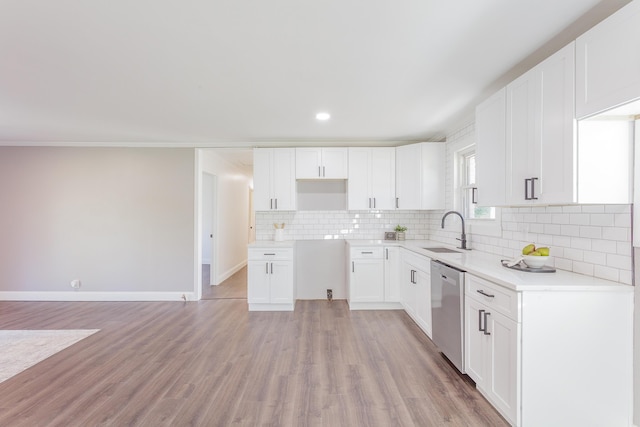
<point>374,202</point>
<point>271,268</point>
<point>353,267</point>
<point>266,264</point>
<point>363,252</point>
<point>397,201</point>
<point>271,203</point>
<point>486,313</point>
<point>318,170</point>
<point>474,195</point>
<point>276,204</point>
<point>481,292</point>
<point>386,253</point>
<point>323,172</point>
<point>269,254</point>
<point>369,202</point>
<point>480,320</point>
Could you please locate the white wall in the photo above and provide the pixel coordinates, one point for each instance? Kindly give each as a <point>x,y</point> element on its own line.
<point>119,219</point>
<point>231,214</point>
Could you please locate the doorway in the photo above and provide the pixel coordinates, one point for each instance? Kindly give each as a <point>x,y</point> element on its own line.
<point>208,237</point>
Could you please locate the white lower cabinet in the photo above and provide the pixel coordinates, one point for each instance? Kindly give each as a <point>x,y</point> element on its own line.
<point>415,288</point>
<point>270,284</point>
<point>549,357</point>
<point>491,355</point>
<point>392,274</point>
<point>368,285</point>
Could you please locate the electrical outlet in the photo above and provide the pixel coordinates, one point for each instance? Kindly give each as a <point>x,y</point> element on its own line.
<point>76,283</point>
<point>330,294</point>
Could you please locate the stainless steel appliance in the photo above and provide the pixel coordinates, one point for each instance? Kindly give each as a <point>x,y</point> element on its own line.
<point>447,312</point>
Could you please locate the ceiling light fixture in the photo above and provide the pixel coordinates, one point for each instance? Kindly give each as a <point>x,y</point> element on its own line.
<point>323,116</point>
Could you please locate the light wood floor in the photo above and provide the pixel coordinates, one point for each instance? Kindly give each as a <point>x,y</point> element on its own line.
<point>234,287</point>
<point>212,363</point>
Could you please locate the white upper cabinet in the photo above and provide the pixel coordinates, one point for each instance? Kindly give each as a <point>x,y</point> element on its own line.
<point>371,178</point>
<point>274,183</point>
<point>322,163</point>
<point>540,133</point>
<point>490,150</point>
<point>608,62</point>
<point>420,176</point>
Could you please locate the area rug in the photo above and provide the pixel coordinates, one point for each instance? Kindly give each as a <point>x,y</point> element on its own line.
<point>21,349</point>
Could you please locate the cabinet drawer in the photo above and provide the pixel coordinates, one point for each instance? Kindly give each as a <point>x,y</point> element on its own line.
<point>271,254</point>
<point>360,253</point>
<point>493,296</point>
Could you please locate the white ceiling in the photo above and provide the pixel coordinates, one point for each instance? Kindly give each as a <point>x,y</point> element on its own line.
<point>240,73</point>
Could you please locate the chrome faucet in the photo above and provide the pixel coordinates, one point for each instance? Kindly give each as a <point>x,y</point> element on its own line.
<point>463,237</point>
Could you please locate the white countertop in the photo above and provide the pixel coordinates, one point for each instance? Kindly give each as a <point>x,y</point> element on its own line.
<point>486,266</point>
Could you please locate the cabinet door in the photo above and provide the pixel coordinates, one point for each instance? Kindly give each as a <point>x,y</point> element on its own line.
<point>281,282</point>
<point>475,342</point>
<point>555,130</point>
<point>383,178</point>
<point>503,364</point>
<point>607,62</point>
<point>521,148</point>
<point>423,301</point>
<point>262,196</point>
<point>284,179</point>
<point>335,163</point>
<point>408,288</point>
<point>392,274</point>
<point>367,280</point>
<point>433,175</point>
<point>490,150</point>
<point>409,177</point>
<point>358,196</point>
<point>308,163</point>
<point>258,282</point>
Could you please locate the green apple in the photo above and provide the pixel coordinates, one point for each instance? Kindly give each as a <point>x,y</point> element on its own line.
<point>528,249</point>
<point>534,253</point>
<point>543,251</point>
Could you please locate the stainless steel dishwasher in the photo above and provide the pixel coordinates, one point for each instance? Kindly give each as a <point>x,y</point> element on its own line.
<point>447,311</point>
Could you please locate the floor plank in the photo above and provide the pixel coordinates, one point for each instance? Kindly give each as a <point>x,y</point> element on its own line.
<point>211,363</point>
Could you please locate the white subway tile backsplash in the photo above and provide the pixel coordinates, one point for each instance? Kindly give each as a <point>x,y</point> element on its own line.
<point>621,262</point>
<point>579,219</point>
<point>604,220</point>
<point>607,273</point>
<point>593,209</point>
<point>591,232</point>
<point>616,233</point>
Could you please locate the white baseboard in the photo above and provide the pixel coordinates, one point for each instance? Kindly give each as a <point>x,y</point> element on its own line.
<point>96,296</point>
<point>231,272</point>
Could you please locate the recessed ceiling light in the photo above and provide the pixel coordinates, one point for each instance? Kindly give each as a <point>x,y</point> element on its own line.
<point>323,116</point>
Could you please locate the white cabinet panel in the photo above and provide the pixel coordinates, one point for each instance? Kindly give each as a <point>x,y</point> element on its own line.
<point>409,177</point>
<point>371,178</point>
<point>270,282</point>
<point>415,289</point>
<point>367,280</point>
<point>321,163</point>
<point>420,176</point>
<point>541,133</point>
<point>392,274</point>
<point>274,179</point>
<point>608,63</point>
<point>490,150</point>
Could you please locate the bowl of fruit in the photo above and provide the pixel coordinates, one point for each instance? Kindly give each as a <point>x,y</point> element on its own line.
<point>535,257</point>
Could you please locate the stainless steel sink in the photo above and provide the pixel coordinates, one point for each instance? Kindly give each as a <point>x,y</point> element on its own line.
<point>442,250</point>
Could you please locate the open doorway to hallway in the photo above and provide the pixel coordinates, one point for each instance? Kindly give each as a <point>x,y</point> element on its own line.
<point>235,287</point>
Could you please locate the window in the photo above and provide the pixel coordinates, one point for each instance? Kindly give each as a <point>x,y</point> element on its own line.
<point>467,190</point>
